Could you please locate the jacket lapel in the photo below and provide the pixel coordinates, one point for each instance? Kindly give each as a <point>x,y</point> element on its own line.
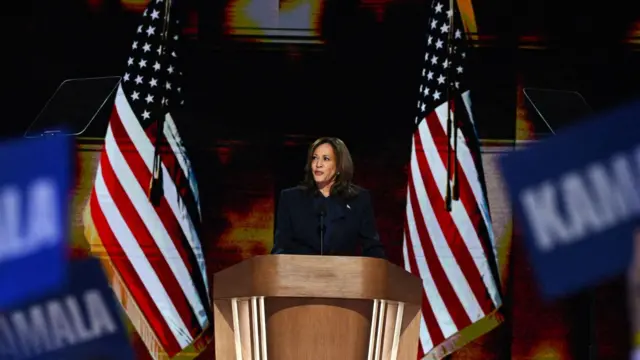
<point>313,219</point>
<point>336,219</point>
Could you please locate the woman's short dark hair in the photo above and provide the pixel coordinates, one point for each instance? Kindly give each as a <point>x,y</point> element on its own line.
<point>343,185</point>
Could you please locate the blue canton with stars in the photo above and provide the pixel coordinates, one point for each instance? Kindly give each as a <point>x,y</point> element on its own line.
<point>151,82</point>
<point>438,61</point>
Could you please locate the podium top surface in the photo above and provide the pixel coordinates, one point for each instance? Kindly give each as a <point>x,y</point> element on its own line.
<point>307,276</point>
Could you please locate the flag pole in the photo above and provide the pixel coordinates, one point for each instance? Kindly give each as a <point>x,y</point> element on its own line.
<point>456,163</point>
<point>156,186</point>
<point>450,116</point>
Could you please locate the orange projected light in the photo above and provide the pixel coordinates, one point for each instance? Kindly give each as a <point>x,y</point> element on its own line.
<point>633,35</point>
<point>272,20</point>
<point>251,232</point>
<point>551,350</point>
<point>134,5</point>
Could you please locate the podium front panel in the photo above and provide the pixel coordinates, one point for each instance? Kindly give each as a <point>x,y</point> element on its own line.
<point>323,329</point>
<point>297,307</point>
<point>259,328</point>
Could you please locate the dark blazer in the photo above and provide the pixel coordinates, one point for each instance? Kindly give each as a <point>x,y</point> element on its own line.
<point>350,225</point>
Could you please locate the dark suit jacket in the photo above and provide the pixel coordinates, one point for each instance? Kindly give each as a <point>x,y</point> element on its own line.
<point>350,225</point>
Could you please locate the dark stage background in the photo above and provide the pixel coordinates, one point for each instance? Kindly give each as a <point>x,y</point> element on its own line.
<point>266,77</point>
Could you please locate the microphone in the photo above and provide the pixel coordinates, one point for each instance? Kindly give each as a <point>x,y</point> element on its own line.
<point>322,211</point>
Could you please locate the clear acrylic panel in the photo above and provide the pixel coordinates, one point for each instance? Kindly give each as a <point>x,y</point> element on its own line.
<point>555,109</point>
<point>73,106</point>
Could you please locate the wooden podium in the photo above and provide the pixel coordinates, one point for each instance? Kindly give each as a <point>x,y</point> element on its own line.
<point>298,307</point>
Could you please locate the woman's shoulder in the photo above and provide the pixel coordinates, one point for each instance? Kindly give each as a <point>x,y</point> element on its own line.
<point>357,192</point>
<point>295,196</point>
<point>294,191</point>
<point>353,193</point>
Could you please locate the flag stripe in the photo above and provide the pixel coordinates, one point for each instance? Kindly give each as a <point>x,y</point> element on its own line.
<point>434,160</point>
<point>425,341</point>
<point>451,314</point>
<point>175,142</point>
<point>145,149</point>
<point>158,241</point>
<point>131,135</point>
<point>463,223</point>
<point>467,196</point>
<point>183,205</point>
<point>186,203</point>
<point>159,220</point>
<point>470,164</point>
<point>188,207</point>
<point>435,312</point>
<point>444,252</point>
<point>426,189</point>
<point>140,263</point>
<point>149,306</point>
<point>434,176</point>
<point>432,332</point>
<point>145,239</point>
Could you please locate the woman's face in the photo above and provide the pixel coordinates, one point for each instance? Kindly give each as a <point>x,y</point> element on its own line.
<point>323,165</point>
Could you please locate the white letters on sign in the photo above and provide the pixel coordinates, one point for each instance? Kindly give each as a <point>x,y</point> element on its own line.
<point>29,221</point>
<point>595,199</point>
<point>56,324</point>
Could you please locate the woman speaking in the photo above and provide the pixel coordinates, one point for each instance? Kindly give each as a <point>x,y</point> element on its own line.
<point>327,214</point>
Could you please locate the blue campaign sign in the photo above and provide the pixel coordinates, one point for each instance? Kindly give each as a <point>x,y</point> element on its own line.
<point>81,321</point>
<point>34,219</point>
<point>577,197</point>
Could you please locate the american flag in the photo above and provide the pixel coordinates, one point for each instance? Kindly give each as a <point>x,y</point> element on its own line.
<point>452,251</point>
<point>151,250</point>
